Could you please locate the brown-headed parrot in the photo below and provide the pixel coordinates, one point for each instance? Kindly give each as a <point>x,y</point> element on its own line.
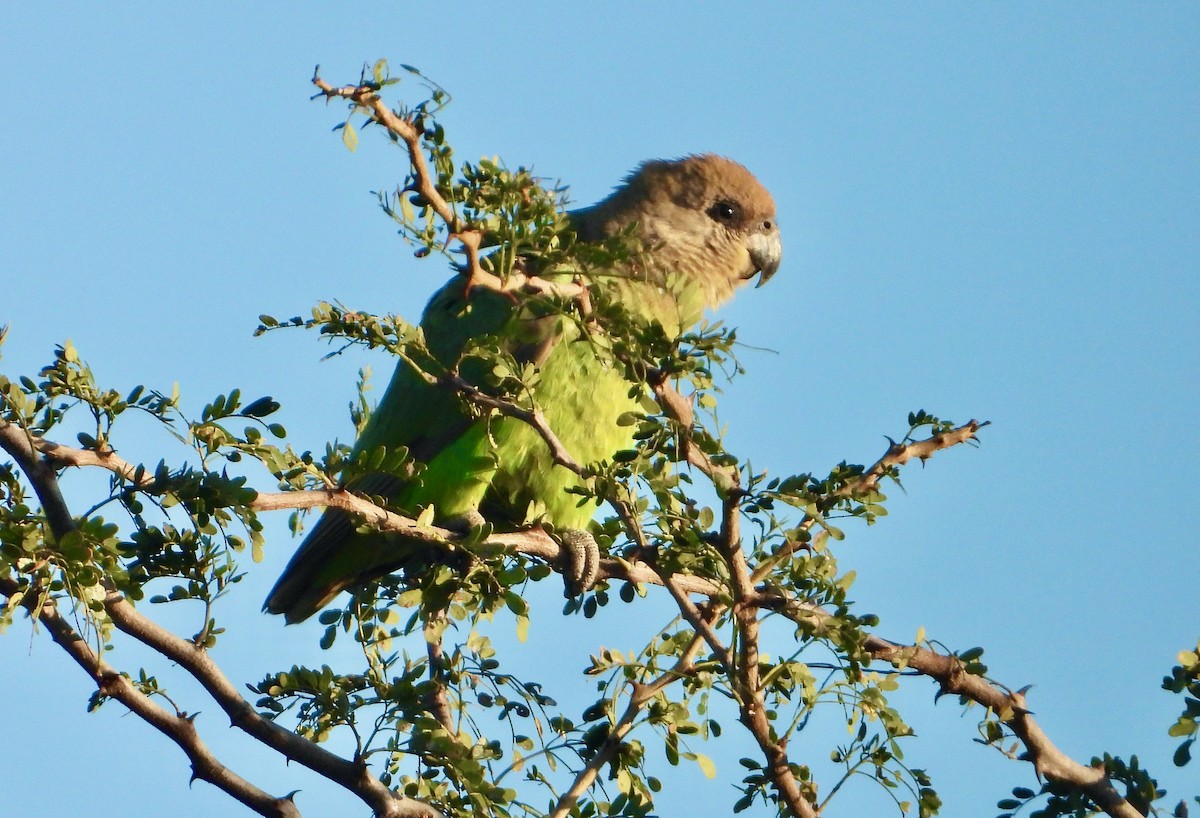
<point>706,225</point>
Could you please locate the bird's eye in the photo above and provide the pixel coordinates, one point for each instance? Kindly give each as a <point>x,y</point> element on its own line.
<point>724,212</point>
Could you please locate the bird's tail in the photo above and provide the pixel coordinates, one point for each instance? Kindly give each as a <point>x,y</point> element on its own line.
<point>313,577</point>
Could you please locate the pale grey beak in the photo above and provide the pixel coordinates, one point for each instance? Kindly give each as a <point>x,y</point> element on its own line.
<point>766,251</point>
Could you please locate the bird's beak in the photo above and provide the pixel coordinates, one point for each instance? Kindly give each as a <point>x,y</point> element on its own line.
<point>766,251</point>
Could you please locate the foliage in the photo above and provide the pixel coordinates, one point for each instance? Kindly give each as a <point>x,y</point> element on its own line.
<point>430,705</point>
<point>1185,679</point>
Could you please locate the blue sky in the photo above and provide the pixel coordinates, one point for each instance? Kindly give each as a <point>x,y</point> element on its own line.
<point>989,210</point>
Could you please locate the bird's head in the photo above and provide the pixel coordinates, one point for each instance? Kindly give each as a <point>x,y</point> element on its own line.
<point>702,217</point>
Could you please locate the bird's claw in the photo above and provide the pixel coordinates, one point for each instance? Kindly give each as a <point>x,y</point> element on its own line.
<point>580,558</point>
<point>465,523</point>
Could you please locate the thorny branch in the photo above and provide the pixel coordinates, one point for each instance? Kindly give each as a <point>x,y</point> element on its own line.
<point>351,774</point>
<point>1048,760</point>
<point>179,727</point>
<point>897,454</point>
<point>744,672</point>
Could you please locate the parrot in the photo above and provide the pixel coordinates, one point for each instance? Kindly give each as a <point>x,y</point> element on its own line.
<point>707,226</point>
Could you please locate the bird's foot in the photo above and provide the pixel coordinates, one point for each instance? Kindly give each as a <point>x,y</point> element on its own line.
<point>580,559</point>
<point>465,523</point>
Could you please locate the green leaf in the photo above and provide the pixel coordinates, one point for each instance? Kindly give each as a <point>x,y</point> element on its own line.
<point>260,408</point>
<point>1183,753</point>
<point>349,136</point>
<point>629,418</point>
<point>1183,727</point>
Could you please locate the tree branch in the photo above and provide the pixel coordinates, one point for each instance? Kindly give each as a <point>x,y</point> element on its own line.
<point>641,696</point>
<point>532,542</point>
<point>21,445</point>
<point>353,775</point>
<point>367,99</point>
<point>1048,760</point>
<point>178,727</point>
<point>679,409</point>
<point>897,454</point>
<point>436,699</point>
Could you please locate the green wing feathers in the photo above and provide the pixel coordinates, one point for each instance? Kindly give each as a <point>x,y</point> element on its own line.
<point>496,463</point>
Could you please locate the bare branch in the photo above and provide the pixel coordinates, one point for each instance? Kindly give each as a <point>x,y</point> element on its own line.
<point>899,454</point>
<point>178,727</point>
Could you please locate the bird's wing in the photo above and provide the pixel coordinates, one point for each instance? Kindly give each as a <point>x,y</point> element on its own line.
<point>430,422</point>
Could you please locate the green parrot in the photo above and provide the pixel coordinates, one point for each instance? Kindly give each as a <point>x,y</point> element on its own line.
<point>707,225</point>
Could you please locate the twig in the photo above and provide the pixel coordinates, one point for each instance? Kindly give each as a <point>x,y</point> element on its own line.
<point>367,99</point>
<point>679,409</point>
<point>897,454</point>
<point>534,418</point>
<point>641,695</point>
